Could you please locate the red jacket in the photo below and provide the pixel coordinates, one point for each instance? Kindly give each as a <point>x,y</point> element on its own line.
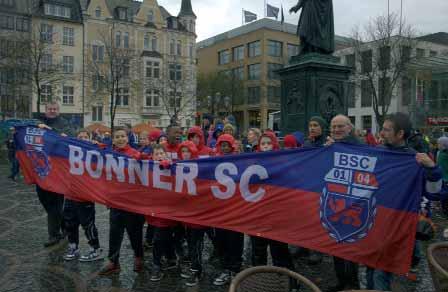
<point>274,140</point>
<point>129,151</point>
<point>225,138</point>
<point>171,151</point>
<point>203,150</point>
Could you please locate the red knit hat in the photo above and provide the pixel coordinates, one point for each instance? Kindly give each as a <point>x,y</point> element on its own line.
<point>290,141</point>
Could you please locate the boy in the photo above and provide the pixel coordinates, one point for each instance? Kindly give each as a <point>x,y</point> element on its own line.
<point>81,213</point>
<point>196,135</point>
<point>121,220</point>
<point>144,143</point>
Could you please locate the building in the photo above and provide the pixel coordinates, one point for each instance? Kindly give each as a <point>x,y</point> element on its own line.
<point>253,53</point>
<point>158,84</point>
<point>412,87</point>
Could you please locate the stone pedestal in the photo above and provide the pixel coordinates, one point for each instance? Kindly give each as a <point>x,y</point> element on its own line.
<point>313,84</point>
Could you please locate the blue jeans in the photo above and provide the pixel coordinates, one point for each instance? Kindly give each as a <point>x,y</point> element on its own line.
<point>378,280</point>
<point>14,167</point>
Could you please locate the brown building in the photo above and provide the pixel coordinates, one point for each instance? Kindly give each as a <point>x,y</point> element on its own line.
<point>252,53</point>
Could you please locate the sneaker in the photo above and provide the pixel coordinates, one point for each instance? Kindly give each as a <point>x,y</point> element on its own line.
<point>109,268</point>
<point>92,255</point>
<point>169,265</point>
<point>138,265</point>
<point>72,253</point>
<point>156,275</point>
<point>223,279</point>
<point>194,279</point>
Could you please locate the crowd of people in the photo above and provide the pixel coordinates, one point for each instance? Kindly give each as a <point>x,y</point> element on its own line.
<point>176,244</point>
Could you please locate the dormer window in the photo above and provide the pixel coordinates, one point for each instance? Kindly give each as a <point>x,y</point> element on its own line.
<point>151,16</point>
<point>174,23</point>
<point>98,12</point>
<point>7,2</point>
<point>122,13</point>
<point>57,10</point>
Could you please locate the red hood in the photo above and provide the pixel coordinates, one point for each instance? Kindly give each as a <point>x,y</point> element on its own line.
<point>197,131</point>
<point>270,135</point>
<point>290,141</point>
<point>129,151</point>
<point>191,147</point>
<point>154,135</point>
<point>225,138</point>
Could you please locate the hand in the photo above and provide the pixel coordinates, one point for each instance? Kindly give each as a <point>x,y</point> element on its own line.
<point>294,9</point>
<point>330,141</point>
<point>424,160</point>
<point>64,135</point>
<point>165,164</point>
<point>43,126</point>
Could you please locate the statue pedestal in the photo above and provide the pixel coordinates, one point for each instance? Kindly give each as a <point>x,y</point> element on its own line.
<point>313,84</point>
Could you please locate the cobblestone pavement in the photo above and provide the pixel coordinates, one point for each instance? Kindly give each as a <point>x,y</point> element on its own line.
<point>26,266</point>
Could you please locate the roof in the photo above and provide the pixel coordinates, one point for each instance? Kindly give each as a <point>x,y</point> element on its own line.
<point>438,38</point>
<point>74,5</point>
<point>433,64</point>
<point>19,7</point>
<point>266,23</point>
<point>186,9</point>
<point>164,12</point>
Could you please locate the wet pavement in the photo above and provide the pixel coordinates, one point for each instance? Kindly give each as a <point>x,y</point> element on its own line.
<point>25,265</point>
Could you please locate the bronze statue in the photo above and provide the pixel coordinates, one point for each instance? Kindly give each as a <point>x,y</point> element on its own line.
<point>316,26</point>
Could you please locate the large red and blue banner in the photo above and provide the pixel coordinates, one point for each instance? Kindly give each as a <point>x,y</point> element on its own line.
<point>355,202</point>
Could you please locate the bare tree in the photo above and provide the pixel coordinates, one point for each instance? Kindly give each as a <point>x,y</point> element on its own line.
<point>382,51</point>
<point>109,67</point>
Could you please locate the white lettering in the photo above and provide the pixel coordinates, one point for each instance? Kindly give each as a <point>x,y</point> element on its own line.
<point>157,173</point>
<point>141,168</point>
<point>225,180</point>
<point>117,168</point>
<point>99,163</point>
<point>247,195</point>
<point>189,177</point>
<point>75,158</point>
<point>357,162</point>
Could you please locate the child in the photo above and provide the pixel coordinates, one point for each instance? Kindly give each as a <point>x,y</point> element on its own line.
<point>279,250</point>
<point>290,142</point>
<point>121,220</point>
<point>144,143</point>
<point>81,213</point>
<point>196,135</point>
<point>163,229</point>
<point>232,242</point>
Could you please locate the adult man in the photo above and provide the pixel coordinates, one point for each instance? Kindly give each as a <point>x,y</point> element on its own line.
<point>395,133</point>
<point>174,134</point>
<point>253,134</point>
<point>341,130</point>
<point>11,145</point>
<point>53,202</point>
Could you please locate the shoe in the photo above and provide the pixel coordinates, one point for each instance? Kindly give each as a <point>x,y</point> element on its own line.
<point>92,255</point>
<point>156,275</point>
<point>110,268</point>
<point>223,279</point>
<point>169,265</point>
<point>52,241</point>
<point>72,253</point>
<point>194,279</point>
<point>185,272</point>
<point>148,245</point>
<point>138,265</point>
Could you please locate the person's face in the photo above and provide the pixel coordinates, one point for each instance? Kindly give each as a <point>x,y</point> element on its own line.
<point>143,140</point>
<point>389,136</point>
<point>186,154</point>
<point>83,136</point>
<point>340,128</point>
<point>266,144</point>
<point>315,129</point>
<point>195,139</point>
<point>120,139</point>
<point>163,140</point>
<point>52,111</point>
<point>228,131</point>
<point>206,122</point>
<point>174,135</point>
<point>159,154</point>
<point>225,147</point>
<point>251,137</point>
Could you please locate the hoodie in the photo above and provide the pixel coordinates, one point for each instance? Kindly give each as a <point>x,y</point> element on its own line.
<point>290,141</point>
<point>270,135</point>
<point>191,147</point>
<point>203,150</point>
<point>225,138</point>
<point>129,151</point>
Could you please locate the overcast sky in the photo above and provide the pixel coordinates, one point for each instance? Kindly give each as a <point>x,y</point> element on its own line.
<point>217,16</point>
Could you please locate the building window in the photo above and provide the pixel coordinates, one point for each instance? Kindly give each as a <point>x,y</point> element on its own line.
<point>367,122</point>
<point>223,57</point>
<point>7,2</point>
<point>46,32</point>
<point>45,93</point>
<point>175,72</point>
<point>122,97</point>
<point>98,12</point>
<point>172,47</point>
<point>68,38</point>
<point>97,113</point>
<point>117,39</point>
<point>254,119</point>
<point>98,53</point>
<point>420,53</point>
<point>384,61</point>
<point>122,13</point>
<point>125,67</point>
<point>366,65</point>
<point>293,50</point>
<point>433,53</point>
<point>405,54</point>
<point>126,40</point>
<point>146,42</point>
<point>153,69</point>
<point>152,98</point>
<point>406,85</point>
<point>351,95</point>
<point>352,120</point>
<point>274,94</point>
<point>272,67</point>
<point>366,93</point>
<point>154,44</point>
<point>151,15</point>
<point>22,24</point>
<point>191,50</point>
<point>97,82</point>
<point>254,71</point>
<point>350,60</point>
<point>68,63</point>
<point>384,94</point>
<point>46,62</point>
<point>67,95</point>
<point>57,10</point>
<point>238,73</point>
<point>253,95</point>
<point>175,99</point>
<point>275,48</point>
<point>254,49</point>
<point>179,48</point>
<point>238,53</point>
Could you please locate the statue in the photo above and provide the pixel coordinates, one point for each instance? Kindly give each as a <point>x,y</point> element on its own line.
<point>316,26</point>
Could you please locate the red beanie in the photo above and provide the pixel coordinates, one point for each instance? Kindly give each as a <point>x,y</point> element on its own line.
<point>290,141</point>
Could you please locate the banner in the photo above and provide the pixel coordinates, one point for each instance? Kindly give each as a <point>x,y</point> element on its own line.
<point>354,202</point>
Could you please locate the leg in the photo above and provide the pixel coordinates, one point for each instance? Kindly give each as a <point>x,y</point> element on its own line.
<point>381,280</point>
<point>195,247</point>
<point>116,233</point>
<point>71,219</point>
<point>52,204</point>
<point>280,254</point>
<point>86,213</point>
<point>234,249</point>
<point>134,228</point>
<point>259,251</point>
<point>179,238</point>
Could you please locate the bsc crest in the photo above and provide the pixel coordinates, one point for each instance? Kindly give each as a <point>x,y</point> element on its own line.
<point>348,203</point>
<point>34,141</point>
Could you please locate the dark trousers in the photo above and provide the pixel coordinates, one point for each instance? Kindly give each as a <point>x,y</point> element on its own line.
<point>179,239</point>
<point>163,241</point>
<point>195,247</point>
<point>80,213</point>
<point>149,233</point>
<point>14,166</point>
<point>347,273</point>
<point>53,204</point>
<point>233,245</point>
<point>133,223</point>
<point>279,252</point>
